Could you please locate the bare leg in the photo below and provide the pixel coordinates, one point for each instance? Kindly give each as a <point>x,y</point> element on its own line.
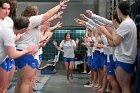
<point>27,74</point>
<point>71,69</point>
<point>10,76</point>
<point>124,80</point>
<point>3,79</point>
<point>114,84</point>
<point>67,70</point>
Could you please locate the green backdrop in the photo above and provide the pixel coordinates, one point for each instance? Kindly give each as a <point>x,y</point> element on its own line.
<point>49,50</point>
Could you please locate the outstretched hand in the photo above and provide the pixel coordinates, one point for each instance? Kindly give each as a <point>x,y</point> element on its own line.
<point>58,25</point>
<point>84,17</point>
<point>63,3</point>
<point>80,22</point>
<point>89,12</point>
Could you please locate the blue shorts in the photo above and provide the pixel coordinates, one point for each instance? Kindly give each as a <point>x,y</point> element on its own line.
<point>7,64</point>
<point>26,59</point>
<point>125,66</point>
<point>89,60</point>
<point>111,66</point>
<point>40,57</point>
<point>96,60</point>
<point>105,60</point>
<point>68,59</point>
<point>102,60</point>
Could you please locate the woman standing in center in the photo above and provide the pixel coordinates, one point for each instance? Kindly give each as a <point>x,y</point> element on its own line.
<point>68,45</point>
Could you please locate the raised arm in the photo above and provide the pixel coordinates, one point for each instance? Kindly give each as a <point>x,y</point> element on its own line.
<point>99,18</point>
<point>55,16</point>
<point>52,11</point>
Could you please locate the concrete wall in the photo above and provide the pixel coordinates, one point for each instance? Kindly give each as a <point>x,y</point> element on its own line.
<point>73,10</point>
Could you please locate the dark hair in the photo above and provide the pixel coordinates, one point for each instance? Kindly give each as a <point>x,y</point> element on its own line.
<point>4,1</point>
<point>13,9</point>
<point>115,16</point>
<point>21,22</point>
<point>124,7</point>
<point>66,35</point>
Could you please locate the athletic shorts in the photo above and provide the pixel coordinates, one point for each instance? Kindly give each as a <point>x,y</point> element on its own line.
<point>96,60</point>
<point>89,60</point>
<point>125,66</point>
<point>111,66</point>
<point>68,59</point>
<point>26,59</point>
<point>7,64</point>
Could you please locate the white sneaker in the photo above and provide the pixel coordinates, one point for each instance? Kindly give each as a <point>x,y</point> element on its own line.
<point>87,86</point>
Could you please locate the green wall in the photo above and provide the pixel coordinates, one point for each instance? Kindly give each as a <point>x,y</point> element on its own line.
<point>49,50</point>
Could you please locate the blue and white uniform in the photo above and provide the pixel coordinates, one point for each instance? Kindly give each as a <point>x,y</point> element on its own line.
<point>126,51</point>
<point>7,38</point>
<point>68,48</point>
<point>30,37</point>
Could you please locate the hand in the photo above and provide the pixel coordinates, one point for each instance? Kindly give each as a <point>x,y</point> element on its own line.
<point>63,4</point>
<point>58,25</point>
<point>84,17</point>
<point>83,44</point>
<point>89,12</point>
<point>54,43</point>
<point>58,15</point>
<point>77,41</point>
<point>110,29</point>
<point>32,49</point>
<point>80,22</point>
<point>101,28</point>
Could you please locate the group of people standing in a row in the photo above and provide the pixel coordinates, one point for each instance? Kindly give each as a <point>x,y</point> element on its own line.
<point>112,46</point>
<point>112,49</point>
<point>21,42</point>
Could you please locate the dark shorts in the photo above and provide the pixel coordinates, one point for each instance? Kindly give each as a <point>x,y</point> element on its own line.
<point>7,64</point>
<point>68,59</point>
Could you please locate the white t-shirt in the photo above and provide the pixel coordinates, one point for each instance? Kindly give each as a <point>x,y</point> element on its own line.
<point>31,36</point>
<point>7,38</point>
<point>7,21</point>
<point>126,51</point>
<point>89,48</point>
<point>68,47</point>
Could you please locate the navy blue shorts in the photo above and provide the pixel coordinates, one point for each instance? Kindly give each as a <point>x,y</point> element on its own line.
<point>68,59</point>
<point>26,59</point>
<point>7,64</point>
<point>111,66</point>
<point>125,66</point>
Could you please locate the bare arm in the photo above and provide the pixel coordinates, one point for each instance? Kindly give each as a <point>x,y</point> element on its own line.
<point>110,33</point>
<point>13,53</point>
<point>52,11</point>
<point>58,15</point>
